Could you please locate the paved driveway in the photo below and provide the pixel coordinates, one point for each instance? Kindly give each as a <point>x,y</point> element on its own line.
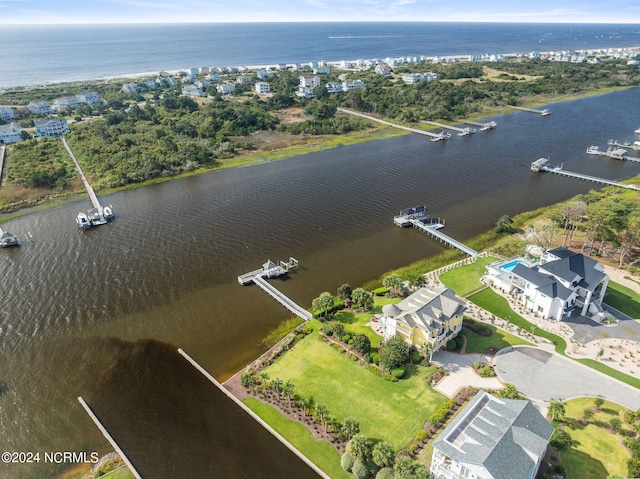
<point>585,330</point>
<point>461,373</point>
<point>545,376</point>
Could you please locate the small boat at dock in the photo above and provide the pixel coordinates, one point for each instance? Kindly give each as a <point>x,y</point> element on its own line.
<point>7,240</point>
<point>83,221</point>
<point>593,150</point>
<point>637,131</point>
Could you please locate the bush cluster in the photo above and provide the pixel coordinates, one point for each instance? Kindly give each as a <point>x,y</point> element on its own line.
<point>441,414</point>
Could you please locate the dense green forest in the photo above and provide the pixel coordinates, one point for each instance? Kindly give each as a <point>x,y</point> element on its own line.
<point>131,138</point>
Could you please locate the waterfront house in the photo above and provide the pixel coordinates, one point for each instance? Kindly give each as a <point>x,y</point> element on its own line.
<point>130,88</point>
<point>212,76</point>
<point>88,97</point>
<point>492,438</point>
<point>383,69</point>
<point>6,114</point>
<point>191,90</point>
<point>349,85</point>
<point>226,88</point>
<point>51,128</point>
<point>262,88</point>
<point>432,315</point>
<point>10,133</point>
<point>204,70</point>
<point>309,81</point>
<point>334,87</point>
<point>202,84</point>
<point>40,107</point>
<point>563,282</point>
<point>65,102</point>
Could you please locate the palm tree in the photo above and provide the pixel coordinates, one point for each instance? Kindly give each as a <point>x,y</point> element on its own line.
<point>276,383</point>
<point>287,390</point>
<point>329,421</point>
<point>556,408</point>
<point>309,402</point>
<point>264,376</point>
<point>426,349</point>
<point>321,412</point>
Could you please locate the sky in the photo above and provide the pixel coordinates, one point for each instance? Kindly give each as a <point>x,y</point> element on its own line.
<point>196,11</point>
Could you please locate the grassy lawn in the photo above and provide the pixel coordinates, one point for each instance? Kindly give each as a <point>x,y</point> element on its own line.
<point>120,473</point>
<point>466,279</point>
<point>499,306</point>
<point>499,339</point>
<point>596,452</point>
<point>390,411</point>
<point>356,322</point>
<point>321,453</point>
<point>623,299</point>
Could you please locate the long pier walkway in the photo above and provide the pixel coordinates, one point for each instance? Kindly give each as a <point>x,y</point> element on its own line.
<point>448,240</point>
<point>482,126</point>
<point>272,270</point>
<point>2,151</point>
<point>434,136</point>
<point>461,131</point>
<point>92,194</point>
<point>544,112</point>
<point>559,171</point>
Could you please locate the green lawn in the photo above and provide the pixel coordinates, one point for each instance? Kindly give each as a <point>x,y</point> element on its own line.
<point>120,473</point>
<point>499,339</point>
<point>321,453</point>
<point>596,452</point>
<point>465,279</point>
<point>499,306</point>
<point>355,322</point>
<point>623,299</point>
<point>390,411</point>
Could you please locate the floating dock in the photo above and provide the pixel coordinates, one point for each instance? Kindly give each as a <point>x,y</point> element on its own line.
<point>434,136</point>
<point>544,112</point>
<point>461,131</point>
<point>483,126</point>
<point>97,215</point>
<point>273,270</point>
<point>418,218</point>
<point>542,165</point>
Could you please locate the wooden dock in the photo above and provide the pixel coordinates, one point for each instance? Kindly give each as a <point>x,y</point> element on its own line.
<point>273,270</point>
<point>542,165</point>
<point>434,136</point>
<point>99,211</point>
<point>417,218</point>
<point>635,146</point>
<point>460,131</point>
<point>483,126</point>
<point>612,152</point>
<point>544,112</point>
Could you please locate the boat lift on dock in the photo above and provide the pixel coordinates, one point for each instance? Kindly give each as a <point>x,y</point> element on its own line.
<point>542,165</point>
<point>418,218</point>
<point>544,112</point>
<point>273,270</point>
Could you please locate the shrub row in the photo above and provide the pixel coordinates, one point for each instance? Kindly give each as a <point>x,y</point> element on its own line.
<point>438,417</point>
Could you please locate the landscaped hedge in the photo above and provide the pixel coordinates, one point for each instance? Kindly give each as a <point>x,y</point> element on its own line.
<point>441,414</point>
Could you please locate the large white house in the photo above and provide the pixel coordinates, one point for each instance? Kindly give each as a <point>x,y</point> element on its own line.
<point>65,102</point>
<point>10,133</point>
<point>6,114</point>
<point>309,81</point>
<point>563,282</point>
<point>263,88</point>
<point>88,97</point>
<point>492,438</point>
<point>51,128</point>
<point>191,90</point>
<point>41,107</point>
<point>432,315</point>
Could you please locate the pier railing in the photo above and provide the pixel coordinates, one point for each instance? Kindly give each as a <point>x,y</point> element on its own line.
<point>444,238</point>
<point>282,299</point>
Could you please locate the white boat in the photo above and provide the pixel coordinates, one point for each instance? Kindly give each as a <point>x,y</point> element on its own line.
<point>83,221</point>
<point>593,150</point>
<point>637,131</point>
<point>108,212</point>
<point>7,239</point>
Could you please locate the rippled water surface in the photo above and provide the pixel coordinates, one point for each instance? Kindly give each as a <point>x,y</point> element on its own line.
<point>99,314</point>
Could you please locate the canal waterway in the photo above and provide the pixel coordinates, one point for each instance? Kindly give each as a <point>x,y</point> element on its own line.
<point>99,313</point>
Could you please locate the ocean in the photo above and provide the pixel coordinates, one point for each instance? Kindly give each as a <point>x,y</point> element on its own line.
<point>40,54</point>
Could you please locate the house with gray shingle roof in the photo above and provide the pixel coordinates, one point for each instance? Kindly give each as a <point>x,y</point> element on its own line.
<point>492,438</point>
<point>432,315</point>
<point>562,283</point>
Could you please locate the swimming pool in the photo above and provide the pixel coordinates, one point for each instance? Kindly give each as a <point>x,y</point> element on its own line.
<point>509,266</point>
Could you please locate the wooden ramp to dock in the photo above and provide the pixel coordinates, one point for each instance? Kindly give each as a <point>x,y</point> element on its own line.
<point>434,136</point>
<point>483,126</point>
<point>434,230</point>
<point>460,131</point>
<point>92,194</point>
<point>544,112</point>
<point>559,171</point>
<point>282,299</point>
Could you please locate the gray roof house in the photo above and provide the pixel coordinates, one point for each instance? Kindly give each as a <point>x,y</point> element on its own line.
<point>492,438</point>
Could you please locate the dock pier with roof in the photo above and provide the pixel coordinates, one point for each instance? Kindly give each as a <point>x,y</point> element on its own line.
<point>418,218</point>
<point>635,146</point>
<point>273,270</point>
<point>544,112</point>
<point>542,165</point>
